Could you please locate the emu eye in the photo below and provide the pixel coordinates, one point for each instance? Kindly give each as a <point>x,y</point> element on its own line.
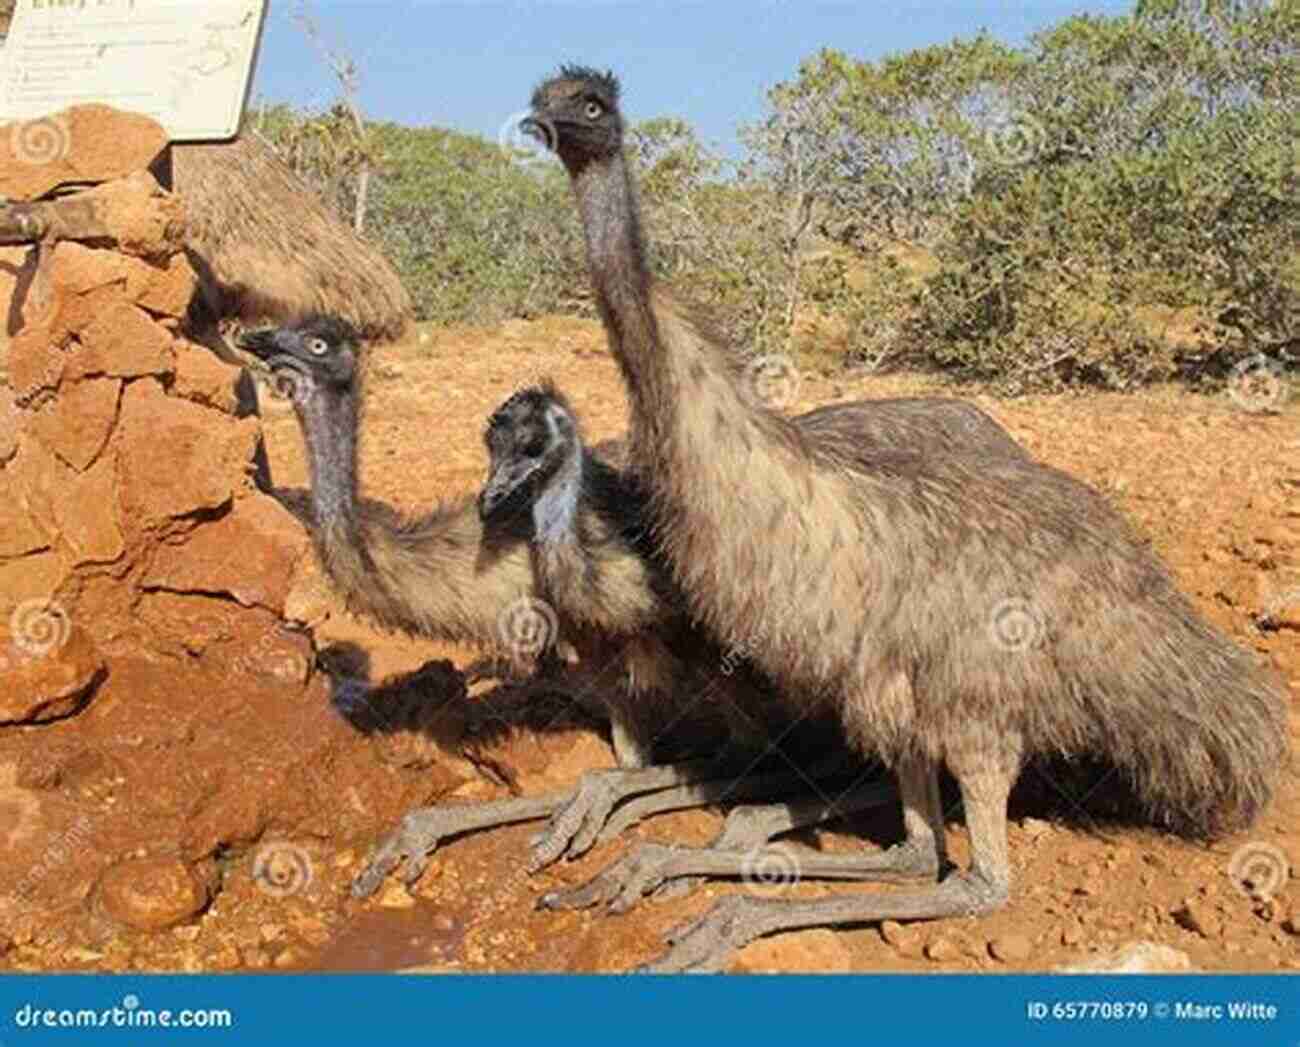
<point>317,346</point>
<point>595,110</point>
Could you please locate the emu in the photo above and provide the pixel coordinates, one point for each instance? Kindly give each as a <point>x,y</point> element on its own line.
<point>878,581</point>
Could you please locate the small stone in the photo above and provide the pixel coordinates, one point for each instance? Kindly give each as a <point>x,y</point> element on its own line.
<point>903,938</point>
<point>151,894</point>
<point>1011,948</point>
<point>188,933</point>
<point>48,666</point>
<point>345,860</point>
<point>1035,827</point>
<point>395,896</point>
<point>943,950</point>
<point>1071,934</point>
<point>270,932</point>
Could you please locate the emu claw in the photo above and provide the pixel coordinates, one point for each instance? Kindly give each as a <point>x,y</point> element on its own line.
<point>621,885</point>
<point>575,827</point>
<point>412,842</point>
<point>705,944</point>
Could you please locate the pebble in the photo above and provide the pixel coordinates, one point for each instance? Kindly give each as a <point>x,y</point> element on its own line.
<point>1011,948</point>
<point>151,894</point>
<point>395,896</point>
<point>942,950</point>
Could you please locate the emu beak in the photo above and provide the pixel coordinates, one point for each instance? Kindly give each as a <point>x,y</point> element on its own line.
<point>536,126</point>
<point>503,484</point>
<point>262,343</point>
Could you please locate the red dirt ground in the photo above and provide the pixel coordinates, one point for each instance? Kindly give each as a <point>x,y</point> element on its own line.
<point>1216,489</point>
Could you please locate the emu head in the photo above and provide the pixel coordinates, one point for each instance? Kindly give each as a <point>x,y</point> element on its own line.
<point>310,360</point>
<point>575,113</point>
<point>534,457</point>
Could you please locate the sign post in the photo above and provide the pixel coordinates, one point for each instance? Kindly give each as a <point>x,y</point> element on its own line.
<point>186,63</point>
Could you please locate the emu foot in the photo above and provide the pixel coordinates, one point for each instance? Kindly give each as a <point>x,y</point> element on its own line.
<point>619,886</point>
<point>706,944</point>
<point>576,826</point>
<point>421,831</point>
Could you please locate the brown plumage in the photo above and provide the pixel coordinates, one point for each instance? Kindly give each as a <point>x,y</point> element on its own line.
<point>267,250</point>
<point>959,608</point>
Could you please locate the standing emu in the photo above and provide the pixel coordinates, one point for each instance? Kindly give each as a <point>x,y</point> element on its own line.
<point>953,609</point>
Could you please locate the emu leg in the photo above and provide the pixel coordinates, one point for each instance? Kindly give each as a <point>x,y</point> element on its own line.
<point>649,865</point>
<point>702,794</point>
<point>571,811</point>
<point>749,828</point>
<point>423,829</point>
<point>705,944</point>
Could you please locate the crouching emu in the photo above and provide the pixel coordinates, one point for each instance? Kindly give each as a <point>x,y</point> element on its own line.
<point>882,583</point>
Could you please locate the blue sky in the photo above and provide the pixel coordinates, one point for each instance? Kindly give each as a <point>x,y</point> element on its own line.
<point>471,66</point>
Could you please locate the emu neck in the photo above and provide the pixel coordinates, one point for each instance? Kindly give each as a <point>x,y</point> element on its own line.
<point>330,427</point>
<point>555,510</point>
<point>555,528</point>
<point>616,254</point>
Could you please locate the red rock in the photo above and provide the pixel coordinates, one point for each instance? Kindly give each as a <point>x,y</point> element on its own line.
<point>86,143</point>
<point>35,360</point>
<point>121,341</point>
<point>151,894</point>
<point>48,666</point>
<point>249,553</point>
<point>19,533</point>
<point>205,379</point>
<point>76,425</point>
<point>29,578</point>
<point>142,218</point>
<point>176,458</point>
<point>164,289</point>
<point>87,514</point>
